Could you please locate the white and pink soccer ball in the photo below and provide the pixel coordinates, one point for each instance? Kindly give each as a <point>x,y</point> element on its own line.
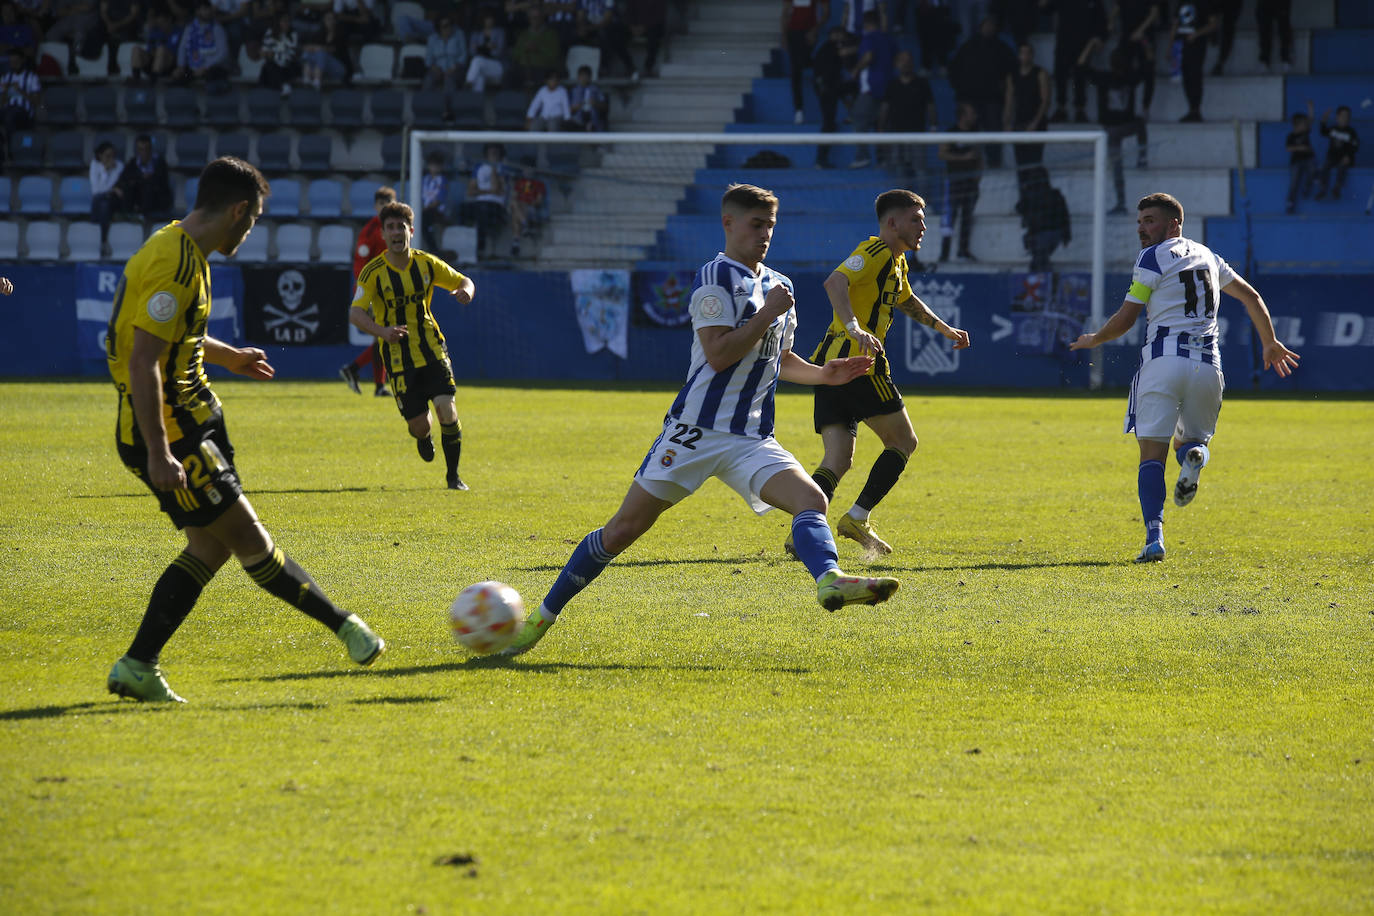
<point>486,616</point>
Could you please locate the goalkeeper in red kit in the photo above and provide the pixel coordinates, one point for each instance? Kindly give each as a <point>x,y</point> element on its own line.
<point>370,244</point>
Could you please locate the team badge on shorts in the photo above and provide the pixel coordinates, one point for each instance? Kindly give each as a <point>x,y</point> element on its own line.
<point>668,456</point>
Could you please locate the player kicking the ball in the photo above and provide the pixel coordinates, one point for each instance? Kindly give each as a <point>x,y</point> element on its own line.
<point>1177,390</point>
<point>721,424</point>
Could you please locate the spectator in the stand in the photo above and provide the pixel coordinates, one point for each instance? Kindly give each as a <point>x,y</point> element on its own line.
<point>106,194</point>
<point>649,19</point>
<point>1080,27</point>
<point>800,19</point>
<point>281,56</point>
<point>908,107</point>
<point>963,173</point>
<point>357,19</point>
<point>536,50</point>
<point>308,16</point>
<point>547,111</point>
<point>938,34</point>
<point>446,60</point>
<point>1139,22</point>
<point>237,18</point>
<point>73,21</point>
<point>120,21</point>
<point>1301,157</point>
<point>147,187</point>
<point>327,57</point>
<point>830,78</point>
<point>873,71</point>
<point>1116,112</point>
<point>1343,142</point>
<point>562,18</point>
<point>1271,15</point>
<point>203,52</point>
<point>613,36</point>
<point>1193,22</point>
<point>1018,17</point>
<point>1027,104</point>
<point>157,57</point>
<point>484,67</point>
<point>490,39</point>
<point>527,202</point>
<point>1044,216</point>
<point>852,15</point>
<point>979,72</point>
<point>434,200</point>
<point>587,102</point>
<point>1228,12</point>
<point>15,33</point>
<point>487,197</point>
<point>21,89</point>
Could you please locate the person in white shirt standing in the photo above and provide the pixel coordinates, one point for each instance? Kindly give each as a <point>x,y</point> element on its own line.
<point>1177,390</point>
<point>721,424</point>
<point>106,194</point>
<point>549,110</point>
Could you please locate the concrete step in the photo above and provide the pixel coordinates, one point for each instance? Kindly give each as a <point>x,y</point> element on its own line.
<point>591,255</point>
<point>1244,59</point>
<point>741,71</point>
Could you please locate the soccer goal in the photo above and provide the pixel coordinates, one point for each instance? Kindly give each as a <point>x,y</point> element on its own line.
<point>631,199</point>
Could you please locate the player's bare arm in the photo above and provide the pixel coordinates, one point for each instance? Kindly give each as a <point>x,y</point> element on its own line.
<point>249,361</point>
<point>1114,327</point>
<point>837,291</point>
<point>918,311</point>
<point>1276,356</point>
<point>361,319</point>
<point>145,394</point>
<point>465,291</point>
<point>726,346</point>
<point>793,368</point>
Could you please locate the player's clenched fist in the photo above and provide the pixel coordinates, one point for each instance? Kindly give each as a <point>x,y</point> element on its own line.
<point>778,301</point>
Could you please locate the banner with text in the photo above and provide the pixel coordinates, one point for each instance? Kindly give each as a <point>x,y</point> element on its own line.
<point>95,287</point>
<point>296,306</point>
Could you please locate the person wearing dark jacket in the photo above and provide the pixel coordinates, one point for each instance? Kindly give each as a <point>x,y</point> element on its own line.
<point>1044,215</point>
<point>146,185</point>
<point>830,67</point>
<point>978,72</point>
<point>1116,112</point>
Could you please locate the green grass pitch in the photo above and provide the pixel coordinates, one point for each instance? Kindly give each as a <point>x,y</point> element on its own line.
<point>1033,723</point>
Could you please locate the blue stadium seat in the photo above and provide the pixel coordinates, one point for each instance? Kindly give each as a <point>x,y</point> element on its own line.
<point>391,150</point>
<point>254,249</point>
<point>346,108</point>
<point>60,104</point>
<point>9,238</point>
<point>293,243</point>
<point>26,150</point>
<point>83,242</point>
<point>360,194</point>
<point>125,240</point>
<point>469,109</point>
<point>222,110</point>
<point>34,194</point>
<point>43,240</point>
<point>306,106</point>
<point>140,106</point>
<point>326,198</point>
<point>264,108</point>
<point>234,144</point>
<point>274,152</point>
<point>6,193</point>
<point>388,108</point>
<point>511,105</point>
<point>335,244</point>
<point>74,194</point>
<point>285,201</point>
<point>192,151</point>
<point>67,150</point>
<point>182,106</point>
<point>427,110</point>
<point>313,151</point>
<point>188,190</point>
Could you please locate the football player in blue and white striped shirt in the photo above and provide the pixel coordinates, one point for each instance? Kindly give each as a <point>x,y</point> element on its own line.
<point>1177,390</point>
<point>721,423</point>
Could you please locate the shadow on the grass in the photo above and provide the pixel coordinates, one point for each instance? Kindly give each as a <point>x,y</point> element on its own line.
<point>257,492</point>
<point>684,561</point>
<point>119,707</point>
<point>480,663</point>
<point>963,567</point>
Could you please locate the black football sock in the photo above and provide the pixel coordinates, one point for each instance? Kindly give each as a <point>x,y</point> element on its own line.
<point>886,470</point>
<point>176,592</point>
<point>451,437</point>
<point>283,577</point>
<point>827,481</point>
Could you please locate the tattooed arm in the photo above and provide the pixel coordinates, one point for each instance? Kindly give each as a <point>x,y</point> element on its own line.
<point>917,310</point>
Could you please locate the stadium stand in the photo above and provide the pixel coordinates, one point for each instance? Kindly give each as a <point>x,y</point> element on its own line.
<point>125,239</point>
<point>9,235</point>
<point>74,194</point>
<point>83,242</point>
<point>316,152</point>
<point>222,110</point>
<point>101,106</point>
<point>293,243</point>
<point>35,194</point>
<point>140,106</point>
<point>67,150</point>
<point>335,244</point>
<point>43,241</point>
<point>325,198</point>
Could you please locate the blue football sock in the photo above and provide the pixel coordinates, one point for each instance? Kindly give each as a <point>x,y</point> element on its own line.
<point>1183,450</point>
<point>1151,488</point>
<point>582,567</point>
<point>814,543</point>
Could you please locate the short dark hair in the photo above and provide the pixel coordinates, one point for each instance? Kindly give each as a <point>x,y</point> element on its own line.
<point>384,195</point>
<point>102,147</point>
<point>397,210</point>
<point>584,69</point>
<point>144,138</point>
<point>1343,108</point>
<point>1297,115</point>
<point>896,199</point>
<point>1166,202</point>
<point>228,181</point>
<point>748,197</point>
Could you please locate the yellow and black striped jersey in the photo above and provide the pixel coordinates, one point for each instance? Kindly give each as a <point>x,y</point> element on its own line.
<point>877,282</point>
<point>165,290</point>
<point>403,297</point>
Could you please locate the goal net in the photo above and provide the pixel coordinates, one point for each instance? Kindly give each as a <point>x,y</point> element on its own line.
<point>1027,202</point>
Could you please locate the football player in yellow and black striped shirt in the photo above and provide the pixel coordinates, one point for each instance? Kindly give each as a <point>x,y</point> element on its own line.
<point>392,303</point>
<point>864,290</point>
<point>170,430</point>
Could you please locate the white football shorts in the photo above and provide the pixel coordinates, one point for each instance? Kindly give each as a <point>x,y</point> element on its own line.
<point>684,457</point>
<point>1175,396</point>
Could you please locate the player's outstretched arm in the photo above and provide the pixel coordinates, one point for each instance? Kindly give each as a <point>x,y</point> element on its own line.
<point>1115,326</point>
<point>726,346</point>
<point>249,361</point>
<point>1276,356</point>
<point>835,372</point>
<point>918,311</point>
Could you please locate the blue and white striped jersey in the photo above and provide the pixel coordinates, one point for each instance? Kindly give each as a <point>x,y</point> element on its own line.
<point>739,399</point>
<point>1179,281</point>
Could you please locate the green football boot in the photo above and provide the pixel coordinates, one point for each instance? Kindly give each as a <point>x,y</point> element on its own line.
<point>533,630</point>
<point>862,532</point>
<point>835,590</point>
<point>364,646</point>
<point>140,681</point>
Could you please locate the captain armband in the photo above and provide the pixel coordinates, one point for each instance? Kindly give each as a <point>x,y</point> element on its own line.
<point>1139,291</point>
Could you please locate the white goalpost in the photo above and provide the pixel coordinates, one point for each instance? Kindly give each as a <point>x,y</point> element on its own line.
<point>612,194</point>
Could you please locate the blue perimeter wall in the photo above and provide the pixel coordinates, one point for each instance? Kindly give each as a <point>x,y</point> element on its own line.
<point>523,326</point>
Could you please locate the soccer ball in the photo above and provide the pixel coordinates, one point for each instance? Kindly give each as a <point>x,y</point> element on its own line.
<point>485,617</point>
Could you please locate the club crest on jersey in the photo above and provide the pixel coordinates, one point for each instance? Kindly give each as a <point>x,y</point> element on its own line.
<point>668,456</point>
<point>854,262</point>
<point>712,307</point>
<point>162,307</point>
